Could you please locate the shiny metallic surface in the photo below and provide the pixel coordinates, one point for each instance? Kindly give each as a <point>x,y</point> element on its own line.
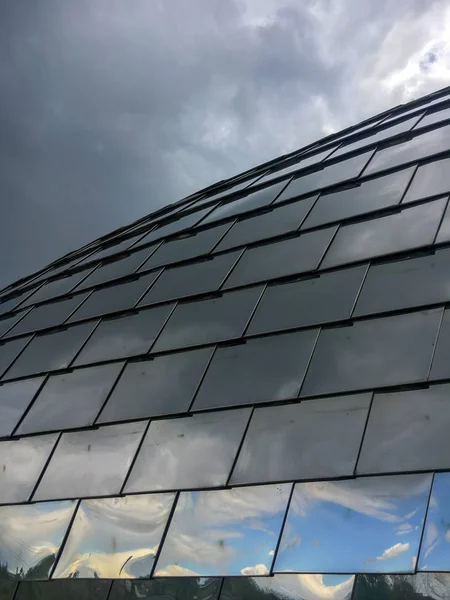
<point>435,550</point>
<point>382,516</point>
<point>14,399</point>
<point>115,537</point>
<point>224,532</point>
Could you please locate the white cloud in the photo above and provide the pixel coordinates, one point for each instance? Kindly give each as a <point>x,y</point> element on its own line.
<point>393,551</point>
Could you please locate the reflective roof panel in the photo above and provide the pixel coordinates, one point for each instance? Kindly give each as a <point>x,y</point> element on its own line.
<point>431,179</point>
<point>69,589</point>
<point>175,588</point>
<point>435,551</point>
<point>14,399</point>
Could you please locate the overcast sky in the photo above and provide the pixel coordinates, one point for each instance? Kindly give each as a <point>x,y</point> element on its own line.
<point>112,108</point>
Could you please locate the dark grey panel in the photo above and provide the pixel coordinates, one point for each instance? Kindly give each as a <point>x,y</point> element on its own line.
<point>368,196</point>
<point>191,452</point>
<point>431,179</point>
<point>328,297</point>
<point>369,511</point>
<point>115,537</point>
<point>121,267</point>
<point>440,369</point>
<point>327,176</point>
<point>8,305</point>
<point>444,230</point>
<point>419,147</point>
<point>9,322</point>
<point>47,315</point>
<point>257,199</point>
<point>181,588</point>
<point>196,278</point>
<point>384,134</point>
<point>306,440</point>
<point>412,227</point>
<point>283,219</point>
<point>14,399</point>
<point>160,386</point>
<point>69,589</point>
<point>55,288</point>
<point>300,164</point>
<point>102,456</point>
<point>261,370</point>
<point>30,538</point>
<point>374,353</point>
<point>224,532</point>
<point>9,351</point>
<point>280,259</point>
<point>70,400</point>
<point>124,336</point>
<point>184,248</point>
<point>435,553</point>
<point>233,188</point>
<point>51,351</point>
<point>210,320</point>
<point>22,462</point>
<point>407,431</point>
<point>422,586</point>
<point>114,298</point>
<point>7,589</point>
<point>176,226</point>
<point>114,249</point>
<point>288,587</point>
<point>405,283</point>
<point>435,117</point>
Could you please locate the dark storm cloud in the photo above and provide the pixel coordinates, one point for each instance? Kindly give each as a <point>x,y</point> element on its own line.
<point>112,108</point>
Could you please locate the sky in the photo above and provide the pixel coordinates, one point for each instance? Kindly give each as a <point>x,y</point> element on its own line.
<point>110,109</point>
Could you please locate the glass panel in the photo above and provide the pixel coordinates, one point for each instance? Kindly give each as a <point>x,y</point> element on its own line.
<point>421,586</point>
<point>280,220</point>
<point>435,117</point>
<point>407,431</point>
<point>57,287</point>
<point>300,164</point>
<point>196,278</point>
<point>30,537</point>
<point>368,196</point>
<point>51,351</point>
<point>48,315</point>
<point>374,353</point>
<point>70,400</point>
<point>114,298</point>
<point>8,323</point>
<point>307,440</point>
<point>9,351</point>
<point>21,464</point>
<point>288,587</point>
<point>14,399</point>
<point>252,201</point>
<point>329,175</point>
<point>395,129</point>
<point>176,226</point>
<point>115,249</point>
<point>103,456</point>
<point>410,228</point>
<point>192,452</point>
<point>405,283</point>
<point>232,189</point>
<point>444,230</point>
<point>122,267</point>
<point>419,147</point>
<point>160,386</point>
<point>115,537</point>
<point>200,588</point>
<point>435,550</point>
<point>382,516</point>
<point>7,589</point>
<point>71,589</point>
<point>431,179</point>
<point>440,368</point>
<point>224,532</point>
<point>260,370</point>
<point>206,321</point>
<point>8,305</point>
<point>125,336</point>
<point>187,247</point>
<point>280,259</point>
<point>307,302</point>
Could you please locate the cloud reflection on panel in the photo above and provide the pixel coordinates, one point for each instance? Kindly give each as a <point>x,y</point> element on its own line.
<point>224,532</point>
<point>115,537</point>
<point>435,551</point>
<point>289,587</point>
<point>30,537</point>
<point>382,516</point>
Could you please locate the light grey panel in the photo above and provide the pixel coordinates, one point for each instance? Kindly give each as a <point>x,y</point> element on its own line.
<point>115,537</point>
<point>440,369</point>
<point>382,516</point>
